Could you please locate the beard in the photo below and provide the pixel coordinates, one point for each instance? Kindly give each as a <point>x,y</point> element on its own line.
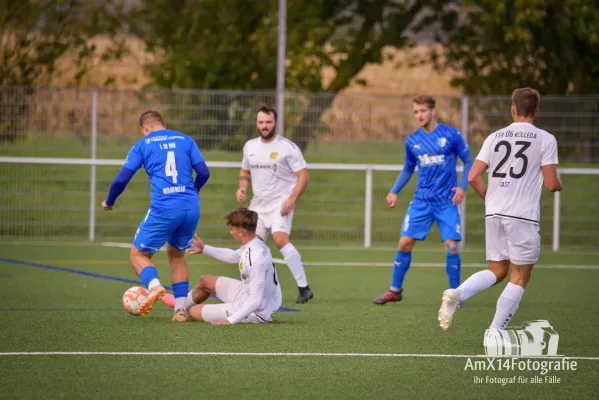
<point>269,135</point>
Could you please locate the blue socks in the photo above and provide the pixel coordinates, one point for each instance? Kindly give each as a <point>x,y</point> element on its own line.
<point>148,274</point>
<point>400,268</point>
<point>180,289</point>
<point>453,268</point>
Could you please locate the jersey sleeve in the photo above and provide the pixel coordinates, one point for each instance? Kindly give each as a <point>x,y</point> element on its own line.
<point>195,154</point>
<point>257,285</point>
<point>296,159</point>
<point>549,151</point>
<point>245,162</point>
<point>485,152</point>
<point>134,159</point>
<point>460,146</point>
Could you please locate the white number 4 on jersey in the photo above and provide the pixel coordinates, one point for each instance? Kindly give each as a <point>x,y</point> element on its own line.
<point>170,169</point>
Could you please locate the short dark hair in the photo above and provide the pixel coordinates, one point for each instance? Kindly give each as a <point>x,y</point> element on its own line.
<point>425,99</point>
<point>268,110</point>
<point>150,116</point>
<point>243,218</point>
<point>526,101</point>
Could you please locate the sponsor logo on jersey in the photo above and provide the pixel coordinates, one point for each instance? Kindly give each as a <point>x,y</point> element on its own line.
<point>274,155</point>
<point>427,160</point>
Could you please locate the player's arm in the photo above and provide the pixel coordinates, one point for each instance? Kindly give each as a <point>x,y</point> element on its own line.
<point>298,164</point>
<point>257,285</point>
<point>302,181</point>
<point>132,164</point>
<point>462,150</point>
<point>406,173</point>
<point>549,163</point>
<point>403,178</point>
<point>222,254</point>
<point>480,166</point>
<point>475,178</point>
<point>199,166</point>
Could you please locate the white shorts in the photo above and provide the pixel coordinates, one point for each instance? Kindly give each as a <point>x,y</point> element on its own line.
<point>228,291</point>
<point>273,221</point>
<point>513,240</point>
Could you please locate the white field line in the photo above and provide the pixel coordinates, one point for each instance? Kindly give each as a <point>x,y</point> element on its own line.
<point>386,264</point>
<point>216,353</point>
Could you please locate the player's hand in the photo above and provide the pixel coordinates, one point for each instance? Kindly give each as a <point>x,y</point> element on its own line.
<point>221,322</point>
<point>391,200</point>
<point>106,207</point>
<point>197,246</point>
<point>287,207</point>
<point>241,195</point>
<point>458,195</point>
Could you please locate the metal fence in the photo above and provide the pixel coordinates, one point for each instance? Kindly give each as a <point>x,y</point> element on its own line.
<point>53,201</point>
<point>343,127</point>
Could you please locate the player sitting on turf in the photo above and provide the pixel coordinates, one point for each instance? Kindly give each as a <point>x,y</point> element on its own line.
<point>520,158</point>
<point>169,159</point>
<point>434,148</point>
<point>252,299</point>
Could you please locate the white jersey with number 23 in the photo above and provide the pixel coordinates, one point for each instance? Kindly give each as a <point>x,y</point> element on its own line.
<point>515,156</point>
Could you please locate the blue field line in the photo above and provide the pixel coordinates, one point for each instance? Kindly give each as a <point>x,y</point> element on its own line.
<point>91,274</point>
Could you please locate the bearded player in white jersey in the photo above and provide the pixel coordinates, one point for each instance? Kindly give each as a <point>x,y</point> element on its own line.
<point>277,170</point>
<point>255,297</point>
<point>520,158</point>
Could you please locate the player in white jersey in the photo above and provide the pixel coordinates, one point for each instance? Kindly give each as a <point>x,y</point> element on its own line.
<point>277,170</point>
<point>520,158</point>
<point>255,297</point>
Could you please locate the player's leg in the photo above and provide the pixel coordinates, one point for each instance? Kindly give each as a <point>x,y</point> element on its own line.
<point>416,224</point>
<point>281,229</point>
<point>263,226</point>
<point>497,255</point>
<point>151,235</point>
<point>524,243</point>
<point>448,221</point>
<point>223,288</point>
<point>181,240</point>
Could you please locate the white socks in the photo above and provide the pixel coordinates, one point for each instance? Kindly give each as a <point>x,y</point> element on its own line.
<point>181,303</point>
<point>153,283</point>
<point>480,281</point>
<point>294,261</point>
<point>507,304</point>
<point>188,301</point>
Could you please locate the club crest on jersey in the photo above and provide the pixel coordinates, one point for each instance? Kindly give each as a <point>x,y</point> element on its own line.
<point>274,155</point>
<point>427,160</point>
<point>442,141</point>
<point>240,266</point>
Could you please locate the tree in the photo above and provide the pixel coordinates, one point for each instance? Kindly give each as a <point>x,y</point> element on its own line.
<point>34,36</point>
<point>219,44</point>
<point>552,45</point>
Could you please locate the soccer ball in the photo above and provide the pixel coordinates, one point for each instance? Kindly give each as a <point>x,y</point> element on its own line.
<point>133,297</point>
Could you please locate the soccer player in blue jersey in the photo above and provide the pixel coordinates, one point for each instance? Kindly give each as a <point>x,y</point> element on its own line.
<point>434,148</point>
<point>169,158</point>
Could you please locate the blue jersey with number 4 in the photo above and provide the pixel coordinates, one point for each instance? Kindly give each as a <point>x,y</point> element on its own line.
<point>168,158</point>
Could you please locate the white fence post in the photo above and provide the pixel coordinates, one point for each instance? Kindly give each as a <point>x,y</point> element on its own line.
<point>368,209</point>
<point>556,218</point>
<point>92,177</point>
<point>464,130</point>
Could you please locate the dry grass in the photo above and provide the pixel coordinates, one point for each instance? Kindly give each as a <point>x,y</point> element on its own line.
<point>379,111</point>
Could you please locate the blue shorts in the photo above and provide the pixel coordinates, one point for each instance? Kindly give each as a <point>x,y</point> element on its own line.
<point>420,216</point>
<point>173,227</point>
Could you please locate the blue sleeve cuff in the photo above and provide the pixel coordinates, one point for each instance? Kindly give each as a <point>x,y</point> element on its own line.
<point>202,175</point>
<point>119,184</point>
